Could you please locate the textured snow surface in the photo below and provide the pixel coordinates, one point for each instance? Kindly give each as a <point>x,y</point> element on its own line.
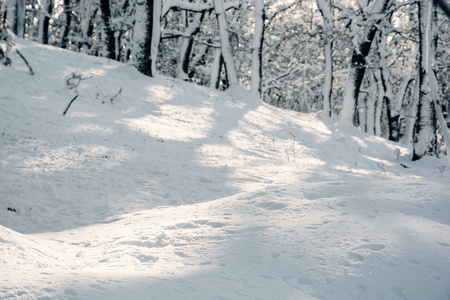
<point>175,191</point>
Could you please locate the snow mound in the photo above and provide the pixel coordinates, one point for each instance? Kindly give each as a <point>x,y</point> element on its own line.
<point>157,188</point>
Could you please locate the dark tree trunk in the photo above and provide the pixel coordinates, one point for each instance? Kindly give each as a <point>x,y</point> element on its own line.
<point>46,21</point>
<point>142,39</point>
<point>257,48</point>
<point>186,49</point>
<point>20,23</point>
<point>109,38</point>
<point>358,62</point>
<point>65,36</point>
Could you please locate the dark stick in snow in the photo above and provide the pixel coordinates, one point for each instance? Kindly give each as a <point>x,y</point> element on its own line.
<point>67,108</point>
<point>26,62</point>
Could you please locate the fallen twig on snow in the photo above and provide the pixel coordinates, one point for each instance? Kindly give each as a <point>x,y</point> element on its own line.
<point>26,62</point>
<point>67,108</point>
<point>114,97</point>
<point>74,81</point>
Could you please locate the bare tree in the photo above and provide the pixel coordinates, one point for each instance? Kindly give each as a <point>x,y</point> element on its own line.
<point>372,17</point>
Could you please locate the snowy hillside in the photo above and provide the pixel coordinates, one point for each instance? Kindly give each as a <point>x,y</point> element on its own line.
<point>152,188</point>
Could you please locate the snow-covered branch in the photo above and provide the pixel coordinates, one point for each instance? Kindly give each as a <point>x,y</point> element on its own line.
<point>194,6</point>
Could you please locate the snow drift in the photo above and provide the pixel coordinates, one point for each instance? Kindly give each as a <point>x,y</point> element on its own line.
<point>159,189</point>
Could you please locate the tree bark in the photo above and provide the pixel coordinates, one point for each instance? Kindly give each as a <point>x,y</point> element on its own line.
<point>109,39</point>
<point>227,52</point>
<point>327,13</point>
<point>257,48</point>
<point>355,77</point>
<point>216,69</point>
<point>186,48</point>
<point>146,36</point>
<point>68,13</point>
<point>424,133</point>
<point>21,18</point>
<point>358,63</point>
<point>47,10</point>
<point>11,14</point>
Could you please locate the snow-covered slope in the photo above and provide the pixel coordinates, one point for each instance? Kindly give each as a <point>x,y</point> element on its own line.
<point>174,191</point>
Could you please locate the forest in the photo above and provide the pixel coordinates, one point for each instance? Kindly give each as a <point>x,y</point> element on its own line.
<point>381,65</point>
<point>224,149</point>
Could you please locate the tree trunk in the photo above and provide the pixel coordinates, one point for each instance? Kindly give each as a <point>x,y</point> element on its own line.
<point>355,78</point>
<point>397,108</point>
<point>371,103</point>
<point>186,48</point>
<point>327,13</point>
<point>146,35</point>
<point>109,39</point>
<point>11,14</point>
<point>15,15</point>
<point>257,45</point>
<point>227,52</point>
<point>88,12</point>
<point>46,11</point>
<point>21,18</point>
<point>434,84</point>
<point>65,35</point>
<point>216,69</point>
<point>358,63</point>
<point>424,133</point>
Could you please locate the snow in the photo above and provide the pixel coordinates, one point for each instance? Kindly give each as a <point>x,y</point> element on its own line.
<point>175,191</point>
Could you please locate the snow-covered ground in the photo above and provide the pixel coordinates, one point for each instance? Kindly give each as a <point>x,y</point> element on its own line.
<point>174,191</point>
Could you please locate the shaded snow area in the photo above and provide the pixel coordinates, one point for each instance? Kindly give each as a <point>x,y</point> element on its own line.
<point>153,188</point>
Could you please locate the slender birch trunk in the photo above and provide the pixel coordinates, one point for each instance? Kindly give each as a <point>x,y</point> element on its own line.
<point>327,13</point>
<point>227,52</point>
<point>257,45</point>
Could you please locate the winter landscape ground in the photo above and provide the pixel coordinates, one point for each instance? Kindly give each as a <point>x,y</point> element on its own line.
<point>153,188</point>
